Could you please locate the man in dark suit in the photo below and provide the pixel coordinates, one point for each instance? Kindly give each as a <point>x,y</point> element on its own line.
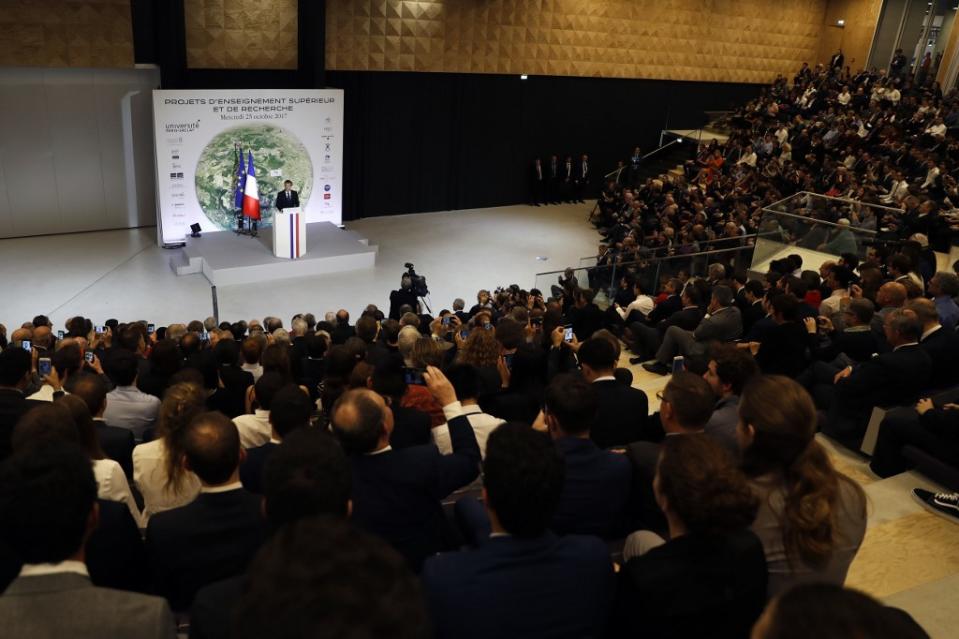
<point>596,490</point>
<point>537,183</point>
<point>687,404</point>
<point>215,536</point>
<point>307,475</point>
<point>14,378</point>
<point>582,178</point>
<point>567,174</point>
<point>623,412</point>
<point>48,511</point>
<point>753,311</point>
<point>290,410</point>
<point>287,198</point>
<point>522,581</point>
<point>896,378</point>
<point>397,493</point>
<point>117,443</point>
<point>584,315</point>
<point>553,180</point>
<point>647,339</point>
<point>939,342</point>
<point>342,331</point>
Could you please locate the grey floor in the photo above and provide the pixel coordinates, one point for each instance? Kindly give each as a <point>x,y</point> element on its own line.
<point>125,275</point>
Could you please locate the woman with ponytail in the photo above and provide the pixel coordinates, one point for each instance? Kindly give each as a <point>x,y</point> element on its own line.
<point>158,470</point>
<point>811,517</point>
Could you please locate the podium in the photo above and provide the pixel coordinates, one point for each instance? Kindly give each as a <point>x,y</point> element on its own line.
<point>289,233</point>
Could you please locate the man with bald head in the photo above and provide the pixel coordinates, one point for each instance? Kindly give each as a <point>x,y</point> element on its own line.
<point>342,330</point>
<point>891,295</point>
<point>397,493</point>
<point>215,536</point>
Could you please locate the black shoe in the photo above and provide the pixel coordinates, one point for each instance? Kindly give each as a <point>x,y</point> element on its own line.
<point>636,360</point>
<point>657,368</point>
<point>943,503</point>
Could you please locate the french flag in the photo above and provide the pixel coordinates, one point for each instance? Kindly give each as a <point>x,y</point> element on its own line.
<point>251,194</point>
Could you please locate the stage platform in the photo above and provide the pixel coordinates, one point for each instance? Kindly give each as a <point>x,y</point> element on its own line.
<point>226,258</point>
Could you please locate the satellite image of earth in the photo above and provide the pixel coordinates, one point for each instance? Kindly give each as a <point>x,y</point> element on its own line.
<point>277,156</point>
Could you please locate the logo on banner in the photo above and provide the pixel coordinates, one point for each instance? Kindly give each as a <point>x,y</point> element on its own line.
<point>327,196</point>
<point>329,147</point>
<point>327,159</point>
<point>176,176</point>
<point>327,187</point>
<point>182,127</point>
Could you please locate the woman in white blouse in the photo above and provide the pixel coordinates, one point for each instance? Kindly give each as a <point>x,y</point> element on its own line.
<point>112,483</point>
<point>157,468</point>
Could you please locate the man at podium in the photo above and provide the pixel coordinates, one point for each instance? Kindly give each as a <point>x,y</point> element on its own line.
<point>287,198</point>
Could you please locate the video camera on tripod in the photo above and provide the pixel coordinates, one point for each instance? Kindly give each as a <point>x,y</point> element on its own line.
<point>417,282</point>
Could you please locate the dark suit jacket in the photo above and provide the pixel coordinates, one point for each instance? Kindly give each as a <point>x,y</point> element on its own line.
<point>211,615</point>
<point>115,556</point>
<point>586,321</point>
<point>284,202</point>
<point>210,539</point>
<point>943,349</point>
<point>513,587</point>
<point>752,313</point>
<point>895,378</point>
<point>342,332</point>
<point>664,309</point>
<point>411,427</point>
<point>117,444</point>
<point>396,494</point>
<point>251,472</point>
<point>686,319</point>
<point>783,350</point>
<point>623,415</point>
<point>231,399</point>
<point>595,492</point>
<point>13,404</point>
<point>693,586</point>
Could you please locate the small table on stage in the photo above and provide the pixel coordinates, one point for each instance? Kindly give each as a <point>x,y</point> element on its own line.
<point>289,233</point>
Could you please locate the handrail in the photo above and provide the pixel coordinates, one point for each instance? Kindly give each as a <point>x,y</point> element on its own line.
<point>841,199</point>
<point>619,170</point>
<point>663,258</point>
<point>718,239</point>
<point>815,221</point>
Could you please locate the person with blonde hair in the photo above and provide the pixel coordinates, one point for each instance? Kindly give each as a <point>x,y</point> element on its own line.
<point>811,517</point>
<point>158,471</point>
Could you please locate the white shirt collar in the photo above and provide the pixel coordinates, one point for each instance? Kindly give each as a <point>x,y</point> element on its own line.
<point>380,451</point>
<point>221,489</point>
<point>38,570</point>
<point>930,331</point>
<point>604,378</point>
<point>905,345</point>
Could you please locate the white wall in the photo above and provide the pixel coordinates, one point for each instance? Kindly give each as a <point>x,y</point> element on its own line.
<point>76,150</point>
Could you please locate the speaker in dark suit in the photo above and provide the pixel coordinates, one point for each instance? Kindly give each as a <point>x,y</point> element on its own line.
<point>287,198</point>
<point>216,535</point>
<point>522,581</point>
<point>397,493</point>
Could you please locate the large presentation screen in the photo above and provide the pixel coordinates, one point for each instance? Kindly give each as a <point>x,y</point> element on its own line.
<point>207,142</point>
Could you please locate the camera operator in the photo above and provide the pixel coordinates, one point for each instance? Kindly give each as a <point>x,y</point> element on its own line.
<point>403,296</point>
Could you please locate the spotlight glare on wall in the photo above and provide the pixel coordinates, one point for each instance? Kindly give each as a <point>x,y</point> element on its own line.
<point>524,77</point>
<point>840,23</point>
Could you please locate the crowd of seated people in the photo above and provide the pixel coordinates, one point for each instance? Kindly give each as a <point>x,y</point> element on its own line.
<point>489,471</point>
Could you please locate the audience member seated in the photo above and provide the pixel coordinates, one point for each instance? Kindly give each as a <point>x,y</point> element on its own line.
<point>730,368</point>
<point>597,485</point>
<point>255,428</point>
<point>854,341</point>
<point>686,404</point>
<point>623,411</point>
<point>811,518</point>
<point>940,343</point>
<point>117,443</point>
<point>933,427</point>
<point>397,493</point>
<point>164,362</point>
<point>49,511</point>
<point>709,578</point>
<point>411,426</point>
<point>128,406</point>
<point>723,323</point>
<point>828,611</point>
<point>646,340</point>
<point>291,409</point>
<point>466,382</point>
<point>14,379</point>
<point>232,381</point>
<point>782,350</point>
<point>895,378</point>
<point>522,581</point>
<point>157,470</point>
<point>217,534</point>
<point>307,475</point>
<point>325,578</point>
<point>944,288</point>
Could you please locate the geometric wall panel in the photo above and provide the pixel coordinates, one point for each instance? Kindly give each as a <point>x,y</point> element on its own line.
<point>700,40</point>
<point>241,34</point>
<point>66,33</point>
